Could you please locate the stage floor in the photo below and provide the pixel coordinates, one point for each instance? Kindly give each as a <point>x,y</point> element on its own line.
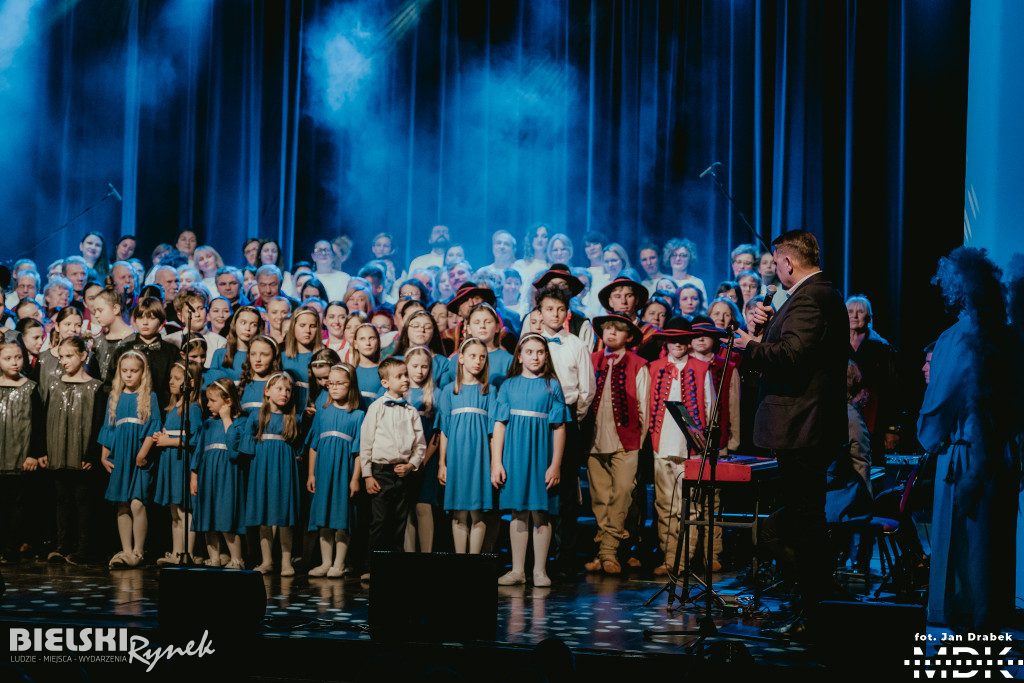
<point>593,614</point>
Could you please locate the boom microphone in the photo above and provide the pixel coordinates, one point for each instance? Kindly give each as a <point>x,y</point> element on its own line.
<point>769,294</point>
<point>710,169</point>
<point>113,192</point>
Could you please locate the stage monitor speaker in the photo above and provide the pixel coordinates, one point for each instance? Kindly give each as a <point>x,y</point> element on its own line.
<point>433,596</point>
<point>194,599</point>
<point>867,636</point>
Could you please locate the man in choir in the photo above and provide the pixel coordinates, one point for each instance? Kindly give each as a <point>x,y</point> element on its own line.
<point>439,239</point>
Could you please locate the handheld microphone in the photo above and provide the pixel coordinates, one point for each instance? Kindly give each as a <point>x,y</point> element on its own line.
<point>769,294</point>
<point>710,169</point>
<point>113,192</point>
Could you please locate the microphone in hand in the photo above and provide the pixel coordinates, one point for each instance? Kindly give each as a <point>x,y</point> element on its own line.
<point>769,294</point>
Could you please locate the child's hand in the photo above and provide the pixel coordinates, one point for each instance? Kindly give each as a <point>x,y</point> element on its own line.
<point>86,466</point>
<point>163,440</point>
<point>310,411</point>
<point>44,461</point>
<point>403,469</point>
<point>498,476</point>
<point>225,411</point>
<point>107,465</point>
<point>311,484</point>
<point>194,485</point>
<point>442,475</point>
<point>372,487</point>
<point>353,487</point>
<point>141,461</point>
<point>30,464</point>
<point>552,476</point>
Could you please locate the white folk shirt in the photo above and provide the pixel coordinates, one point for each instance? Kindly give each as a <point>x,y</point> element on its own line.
<point>672,442</point>
<point>575,370</point>
<point>391,435</point>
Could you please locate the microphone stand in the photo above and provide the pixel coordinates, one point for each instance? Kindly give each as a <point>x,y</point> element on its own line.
<point>185,446</point>
<point>113,193</point>
<point>714,176</point>
<point>706,627</point>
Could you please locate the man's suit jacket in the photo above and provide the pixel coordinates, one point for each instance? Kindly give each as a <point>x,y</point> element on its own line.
<point>802,358</point>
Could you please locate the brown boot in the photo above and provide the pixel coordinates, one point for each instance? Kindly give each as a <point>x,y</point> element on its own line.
<point>593,566</point>
<point>611,567</point>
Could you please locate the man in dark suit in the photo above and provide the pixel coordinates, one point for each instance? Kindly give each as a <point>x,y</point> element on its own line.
<point>802,356</point>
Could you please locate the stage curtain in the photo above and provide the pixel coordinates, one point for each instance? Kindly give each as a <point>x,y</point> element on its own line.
<point>844,118</point>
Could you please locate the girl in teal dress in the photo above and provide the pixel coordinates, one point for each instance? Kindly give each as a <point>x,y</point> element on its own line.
<point>262,361</point>
<point>528,440</point>
<point>366,359</point>
<point>303,339</point>
<point>171,485</point>
<point>218,482</point>
<point>227,362</point>
<point>334,476</point>
<point>466,409</point>
<point>133,415</point>
<point>423,396</point>
<point>272,498</point>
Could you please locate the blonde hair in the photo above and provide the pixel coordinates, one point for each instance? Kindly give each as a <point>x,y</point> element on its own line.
<point>356,356</point>
<point>485,371</point>
<point>117,388</point>
<point>428,381</point>
<point>290,431</point>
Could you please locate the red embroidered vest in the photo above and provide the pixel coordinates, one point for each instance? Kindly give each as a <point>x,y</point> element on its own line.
<point>663,373</point>
<point>625,406</point>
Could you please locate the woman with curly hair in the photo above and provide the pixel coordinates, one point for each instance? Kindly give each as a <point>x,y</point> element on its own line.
<point>968,424</point>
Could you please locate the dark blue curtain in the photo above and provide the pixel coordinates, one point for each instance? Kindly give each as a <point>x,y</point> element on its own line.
<point>232,117</point>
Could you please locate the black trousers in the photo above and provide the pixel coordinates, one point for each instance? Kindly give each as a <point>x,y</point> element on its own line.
<point>389,508</point>
<point>800,521</point>
<point>74,510</point>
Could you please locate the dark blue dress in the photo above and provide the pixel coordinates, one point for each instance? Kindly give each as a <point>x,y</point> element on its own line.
<point>272,498</point>
<point>221,500</point>
<point>124,439</point>
<point>298,368</point>
<point>467,420</point>
<point>217,371</point>
<point>430,487</point>
<point>252,397</point>
<point>530,408</point>
<point>171,483</point>
<point>370,388</point>
<point>335,438</point>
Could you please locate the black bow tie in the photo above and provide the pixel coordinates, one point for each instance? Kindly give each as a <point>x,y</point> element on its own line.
<point>400,402</point>
<point>142,346</point>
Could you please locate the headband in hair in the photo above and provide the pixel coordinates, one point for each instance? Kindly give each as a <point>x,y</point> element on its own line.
<point>320,362</point>
<point>533,335</point>
<point>196,339</point>
<point>133,352</point>
<point>478,340</point>
<point>276,375</point>
<point>268,338</point>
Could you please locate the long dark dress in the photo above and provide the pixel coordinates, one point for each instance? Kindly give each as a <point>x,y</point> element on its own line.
<point>74,417</point>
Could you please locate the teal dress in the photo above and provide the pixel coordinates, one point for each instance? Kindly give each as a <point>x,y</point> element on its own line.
<point>529,408</point>
<point>170,479</point>
<point>335,438</point>
<point>272,498</point>
<point>467,420</point>
<point>298,368</point>
<point>220,505</point>
<point>430,487</point>
<point>370,388</point>
<point>252,397</point>
<point>218,371</point>
<point>124,436</point>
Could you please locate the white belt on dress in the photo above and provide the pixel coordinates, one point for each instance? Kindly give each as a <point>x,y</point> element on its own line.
<point>342,435</point>
<point>173,432</point>
<point>252,404</point>
<point>271,437</point>
<point>477,411</point>
<point>128,420</point>
<point>369,394</point>
<point>528,413</point>
<point>216,447</point>
<point>304,385</point>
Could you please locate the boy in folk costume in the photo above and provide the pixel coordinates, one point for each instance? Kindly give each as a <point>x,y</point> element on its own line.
<point>689,373</point>
<point>619,413</point>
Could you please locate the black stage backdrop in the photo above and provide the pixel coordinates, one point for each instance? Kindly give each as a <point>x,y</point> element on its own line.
<point>296,119</point>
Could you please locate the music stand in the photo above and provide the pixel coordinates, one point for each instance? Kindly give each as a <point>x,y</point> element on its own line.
<point>706,625</point>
